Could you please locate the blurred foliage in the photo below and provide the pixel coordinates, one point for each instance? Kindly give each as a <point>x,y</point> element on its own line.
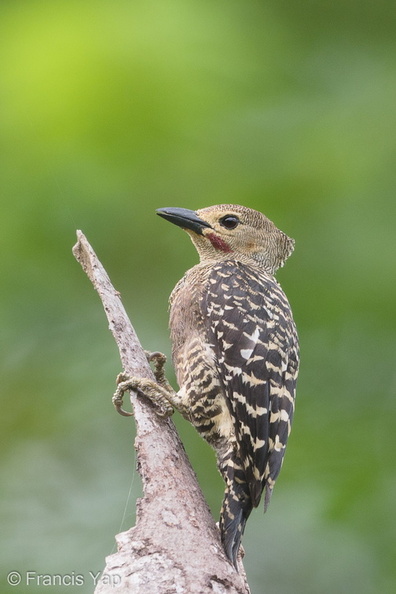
<point>112,109</point>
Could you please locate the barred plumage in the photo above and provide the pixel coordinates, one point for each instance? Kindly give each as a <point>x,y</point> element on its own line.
<point>235,353</point>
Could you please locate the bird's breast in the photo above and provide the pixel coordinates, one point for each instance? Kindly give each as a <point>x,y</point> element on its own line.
<point>194,361</point>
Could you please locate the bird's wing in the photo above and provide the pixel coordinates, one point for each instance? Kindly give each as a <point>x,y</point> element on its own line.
<point>249,323</point>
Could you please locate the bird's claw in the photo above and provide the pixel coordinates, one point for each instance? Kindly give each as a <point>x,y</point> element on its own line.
<point>154,392</point>
<point>123,384</point>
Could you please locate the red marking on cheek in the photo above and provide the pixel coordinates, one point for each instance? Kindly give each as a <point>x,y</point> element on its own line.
<point>218,243</point>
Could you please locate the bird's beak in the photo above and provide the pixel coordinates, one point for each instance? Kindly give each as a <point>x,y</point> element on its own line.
<point>184,218</point>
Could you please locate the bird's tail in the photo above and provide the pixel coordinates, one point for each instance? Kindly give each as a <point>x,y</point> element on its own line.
<point>236,508</point>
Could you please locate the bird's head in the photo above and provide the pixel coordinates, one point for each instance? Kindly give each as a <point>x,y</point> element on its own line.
<point>230,231</point>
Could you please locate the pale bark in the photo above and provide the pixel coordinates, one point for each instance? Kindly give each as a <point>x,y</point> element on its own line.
<point>175,544</point>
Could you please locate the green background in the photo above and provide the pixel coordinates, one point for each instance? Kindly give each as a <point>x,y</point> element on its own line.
<point>109,110</point>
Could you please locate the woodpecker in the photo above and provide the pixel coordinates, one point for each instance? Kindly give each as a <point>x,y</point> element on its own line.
<point>235,353</point>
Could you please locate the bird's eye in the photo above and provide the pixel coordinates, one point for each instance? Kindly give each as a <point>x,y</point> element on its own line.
<point>229,221</point>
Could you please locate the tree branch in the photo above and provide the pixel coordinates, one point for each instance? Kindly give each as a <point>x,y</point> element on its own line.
<point>175,545</point>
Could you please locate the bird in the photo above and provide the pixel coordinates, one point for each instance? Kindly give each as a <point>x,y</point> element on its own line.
<point>235,352</point>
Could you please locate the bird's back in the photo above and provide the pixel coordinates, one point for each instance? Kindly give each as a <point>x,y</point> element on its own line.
<point>235,353</point>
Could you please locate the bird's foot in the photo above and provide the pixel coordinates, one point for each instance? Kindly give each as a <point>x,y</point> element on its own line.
<point>156,393</point>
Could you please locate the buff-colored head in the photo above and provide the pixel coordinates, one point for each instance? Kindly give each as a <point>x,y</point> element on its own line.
<point>230,231</point>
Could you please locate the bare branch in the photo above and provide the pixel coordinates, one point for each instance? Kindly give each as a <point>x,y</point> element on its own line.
<point>175,545</point>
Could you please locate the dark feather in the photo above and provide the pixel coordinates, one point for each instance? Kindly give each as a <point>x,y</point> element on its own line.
<point>249,322</point>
